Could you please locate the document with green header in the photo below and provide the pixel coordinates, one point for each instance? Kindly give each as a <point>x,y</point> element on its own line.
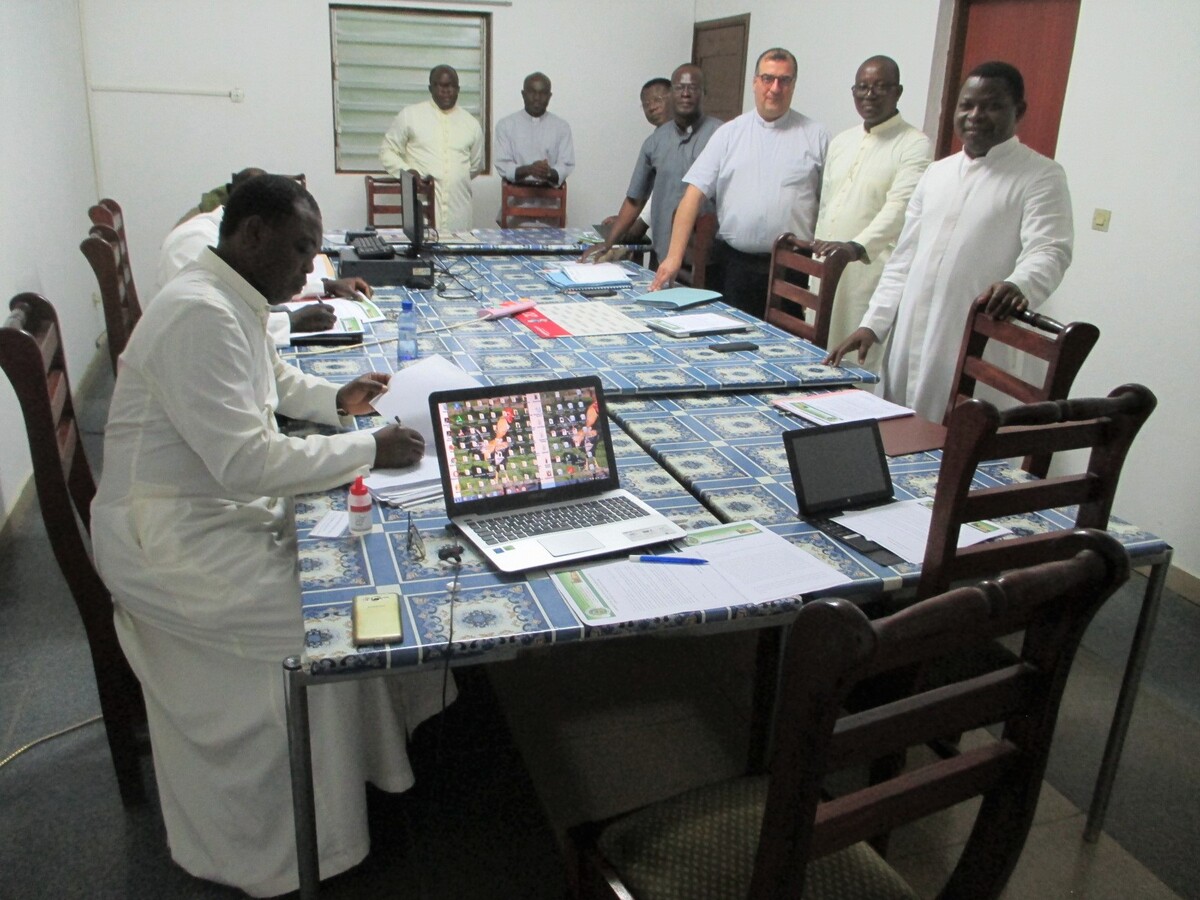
<point>747,564</point>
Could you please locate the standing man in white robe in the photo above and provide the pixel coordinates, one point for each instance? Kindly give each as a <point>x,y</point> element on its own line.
<point>438,138</point>
<point>194,533</point>
<point>993,221</point>
<point>870,175</point>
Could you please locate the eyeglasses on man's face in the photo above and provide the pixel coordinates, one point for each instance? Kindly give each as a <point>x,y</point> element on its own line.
<point>784,81</point>
<point>878,89</point>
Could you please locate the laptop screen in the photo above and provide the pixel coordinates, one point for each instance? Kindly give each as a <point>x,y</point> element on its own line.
<point>838,467</point>
<point>517,445</point>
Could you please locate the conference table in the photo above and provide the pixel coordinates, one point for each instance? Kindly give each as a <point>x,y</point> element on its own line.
<point>698,439</point>
<point>570,241</point>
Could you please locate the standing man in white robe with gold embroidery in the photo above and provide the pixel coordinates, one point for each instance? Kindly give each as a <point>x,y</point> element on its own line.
<point>870,174</point>
<point>439,138</point>
<point>194,532</point>
<point>993,221</point>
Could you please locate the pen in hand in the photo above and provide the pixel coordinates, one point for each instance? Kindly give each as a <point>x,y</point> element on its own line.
<point>672,560</point>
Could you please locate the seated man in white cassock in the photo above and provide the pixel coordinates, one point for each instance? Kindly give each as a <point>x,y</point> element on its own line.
<point>195,535</point>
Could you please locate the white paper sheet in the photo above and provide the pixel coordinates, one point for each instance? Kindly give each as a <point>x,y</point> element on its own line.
<point>903,528</point>
<point>747,564</point>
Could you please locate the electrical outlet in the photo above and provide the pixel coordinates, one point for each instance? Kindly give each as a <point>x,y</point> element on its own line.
<point>1100,219</point>
<point>96,301</point>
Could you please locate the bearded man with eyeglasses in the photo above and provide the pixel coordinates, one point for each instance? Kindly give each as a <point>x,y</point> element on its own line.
<point>763,170</point>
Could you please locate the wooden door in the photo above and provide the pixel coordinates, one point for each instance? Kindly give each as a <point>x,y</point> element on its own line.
<point>719,49</point>
<point>1036,36</point>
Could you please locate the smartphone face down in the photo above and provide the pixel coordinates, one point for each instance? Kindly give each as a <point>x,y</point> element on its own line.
<point>377,619</point>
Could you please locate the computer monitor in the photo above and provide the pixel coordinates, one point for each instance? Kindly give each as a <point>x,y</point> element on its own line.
<point>413,222</point>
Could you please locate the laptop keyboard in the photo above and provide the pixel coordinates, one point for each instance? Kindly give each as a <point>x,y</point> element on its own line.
<point>560,518</point>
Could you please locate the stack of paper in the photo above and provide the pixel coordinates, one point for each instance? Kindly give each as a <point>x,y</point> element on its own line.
<point>407,402</point>
<point>744,564</point>
<point>696,323</point>
<point>851,405</point>
<point>589,277</point>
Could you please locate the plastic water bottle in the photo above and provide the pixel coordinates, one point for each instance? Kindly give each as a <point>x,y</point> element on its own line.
<point>406,332</point>
<point>358,504</point>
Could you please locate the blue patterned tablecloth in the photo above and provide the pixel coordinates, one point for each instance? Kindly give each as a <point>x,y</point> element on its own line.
<point>727,449</point>
<point>495,611</point>
<point>505,351</point>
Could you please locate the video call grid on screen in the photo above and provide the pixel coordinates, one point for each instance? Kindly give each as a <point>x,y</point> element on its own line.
<point>523,442</point>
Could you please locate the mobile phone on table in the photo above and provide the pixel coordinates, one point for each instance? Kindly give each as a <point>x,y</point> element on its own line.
<point>376,619</point>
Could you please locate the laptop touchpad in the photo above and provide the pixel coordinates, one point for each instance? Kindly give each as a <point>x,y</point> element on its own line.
<point>568,542</point>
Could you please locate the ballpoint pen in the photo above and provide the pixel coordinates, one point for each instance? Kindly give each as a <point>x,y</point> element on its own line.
<point>673,560</point>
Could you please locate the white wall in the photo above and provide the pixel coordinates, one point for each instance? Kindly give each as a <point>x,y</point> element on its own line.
<point>1128,140</point>
<point>830,41</point>
<point>158,152</point>
<point>47,185</point>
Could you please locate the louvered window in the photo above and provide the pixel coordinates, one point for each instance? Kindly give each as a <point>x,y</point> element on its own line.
<point>381,63</point>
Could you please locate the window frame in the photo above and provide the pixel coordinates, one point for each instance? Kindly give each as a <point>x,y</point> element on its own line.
<point>352,162</point>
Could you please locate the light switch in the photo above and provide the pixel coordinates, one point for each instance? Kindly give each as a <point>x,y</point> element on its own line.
<point>1100,219</point>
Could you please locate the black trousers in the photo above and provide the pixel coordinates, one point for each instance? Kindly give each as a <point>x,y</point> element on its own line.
<point>743,278</point>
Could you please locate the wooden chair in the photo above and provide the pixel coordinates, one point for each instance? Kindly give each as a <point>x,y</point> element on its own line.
<point>512,211</point>
<point>108,213</point>
<point>694,270</point>
<point>1063,348</point>
<point>787,259</point>
<point>121,309</point>
<point>32,357</point>
<point>384,209</point>
<point>777,836</point>
<point>978,432</point>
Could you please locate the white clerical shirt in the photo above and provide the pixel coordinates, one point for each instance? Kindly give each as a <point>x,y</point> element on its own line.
<point>764,176</point>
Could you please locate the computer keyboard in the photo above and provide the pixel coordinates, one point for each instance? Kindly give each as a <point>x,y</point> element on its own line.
<point>372,247</point>
<point>559,518</point>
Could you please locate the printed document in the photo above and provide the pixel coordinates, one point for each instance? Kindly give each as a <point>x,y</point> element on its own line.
<point>746,565</point>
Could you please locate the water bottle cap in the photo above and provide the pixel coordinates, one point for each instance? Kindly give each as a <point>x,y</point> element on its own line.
<point>406,304</point>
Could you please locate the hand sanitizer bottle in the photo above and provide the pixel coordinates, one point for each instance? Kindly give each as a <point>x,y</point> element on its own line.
<point>359,506</point>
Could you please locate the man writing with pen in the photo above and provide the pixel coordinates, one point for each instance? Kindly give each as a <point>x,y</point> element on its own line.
<point>194,533</point>
<point>200,229</point>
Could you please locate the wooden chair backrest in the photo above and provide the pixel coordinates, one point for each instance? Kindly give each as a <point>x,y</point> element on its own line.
<point>512,213</point>
<point>121,309</point>
<point>108,213</point>
<point>31,355</point>
<point>787,258</point>
<point>832,646</point>
<point>694,271</point>
<point>384,209</point>
<point>978,432</point>
<point>1063,348</point>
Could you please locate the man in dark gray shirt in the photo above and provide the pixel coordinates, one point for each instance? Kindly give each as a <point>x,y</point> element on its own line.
<point>662,162</point>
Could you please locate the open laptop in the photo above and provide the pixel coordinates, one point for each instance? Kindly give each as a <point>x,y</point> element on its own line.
<point>836,468</point>
<point>529,474</point>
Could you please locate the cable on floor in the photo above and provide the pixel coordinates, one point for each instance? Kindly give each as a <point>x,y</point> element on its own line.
<point>48,737</point>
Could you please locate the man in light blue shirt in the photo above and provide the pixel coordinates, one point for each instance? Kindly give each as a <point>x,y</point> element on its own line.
<point>666,156</point>
<point>764,171</point>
